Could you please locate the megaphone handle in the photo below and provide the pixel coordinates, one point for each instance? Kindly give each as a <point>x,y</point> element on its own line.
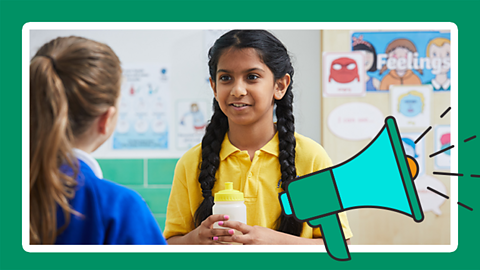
<point>333,236</point>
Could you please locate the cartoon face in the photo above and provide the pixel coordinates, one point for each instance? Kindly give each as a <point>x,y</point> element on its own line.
<point>411,105</point>
<point>344,70</point>
<point>440,58</point>
<point>409,147</point>
<point>401,54</point>
<point>368,60</point>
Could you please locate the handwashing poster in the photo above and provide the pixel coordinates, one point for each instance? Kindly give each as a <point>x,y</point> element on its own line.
<point>404,58</point>
<point>143,110</point>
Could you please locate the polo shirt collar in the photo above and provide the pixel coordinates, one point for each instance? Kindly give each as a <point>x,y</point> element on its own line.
<point>90,161</point>
<point>228,148</point>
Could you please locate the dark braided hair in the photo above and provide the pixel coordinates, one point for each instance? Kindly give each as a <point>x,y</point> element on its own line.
<point>275,56</point>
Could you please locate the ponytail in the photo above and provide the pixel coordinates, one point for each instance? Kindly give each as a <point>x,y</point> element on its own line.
<point>50,136</point>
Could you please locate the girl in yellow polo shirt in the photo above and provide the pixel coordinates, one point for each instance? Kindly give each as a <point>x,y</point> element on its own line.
<point>250,72</point>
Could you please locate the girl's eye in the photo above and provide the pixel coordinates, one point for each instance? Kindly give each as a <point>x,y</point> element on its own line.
<point>224,78</point>
<point>252,77</point>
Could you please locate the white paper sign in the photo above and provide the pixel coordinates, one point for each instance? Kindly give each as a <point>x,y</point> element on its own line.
<point>356,121</point>
<point>343,74</point>
<point>411,105</point>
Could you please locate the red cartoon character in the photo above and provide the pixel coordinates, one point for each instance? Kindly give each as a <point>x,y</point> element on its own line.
<point>344,70</point>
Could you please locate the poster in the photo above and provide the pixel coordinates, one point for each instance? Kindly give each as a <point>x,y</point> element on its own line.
<point>343,74</point>
<point>143,111</point>
<point>191,121</point>
<point>442,141</point>
<point>404,58</point>
<point>410,105</point>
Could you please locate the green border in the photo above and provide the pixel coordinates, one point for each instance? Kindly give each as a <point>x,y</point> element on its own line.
<point>402,161</point>
<point>15,13</point>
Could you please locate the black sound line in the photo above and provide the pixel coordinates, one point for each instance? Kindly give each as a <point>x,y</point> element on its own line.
<point>461,204</point>
<point>445,112</point>
<point>475,175</point>
<point>441,151</point>
<point>437,192</point>
<point>471,138</point>
<point>446,173</point>
<point>423,134</point>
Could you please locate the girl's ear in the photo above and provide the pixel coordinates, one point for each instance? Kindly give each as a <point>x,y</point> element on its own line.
<point>106,120</point>
<point>281,86</point>
<point>214,88</point>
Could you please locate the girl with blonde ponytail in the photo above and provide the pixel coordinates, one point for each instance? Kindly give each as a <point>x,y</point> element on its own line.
<point>74,88</point>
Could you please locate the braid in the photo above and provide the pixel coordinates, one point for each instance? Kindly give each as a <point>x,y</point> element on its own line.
<point>211,145</point>
<point>287,143</point>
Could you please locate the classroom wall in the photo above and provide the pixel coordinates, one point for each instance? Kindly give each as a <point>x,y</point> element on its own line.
<point>374,226</point>
<point>149,172</point>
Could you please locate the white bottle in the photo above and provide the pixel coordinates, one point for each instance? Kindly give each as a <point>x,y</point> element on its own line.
<point>230,202</point>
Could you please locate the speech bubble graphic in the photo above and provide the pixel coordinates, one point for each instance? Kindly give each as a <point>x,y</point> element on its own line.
<point>429,200</point>
<point>355,121</point>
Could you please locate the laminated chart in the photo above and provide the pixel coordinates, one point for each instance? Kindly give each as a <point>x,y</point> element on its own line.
<point>143,109</point>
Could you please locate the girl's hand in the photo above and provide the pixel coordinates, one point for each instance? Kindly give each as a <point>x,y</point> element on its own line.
<point>205,234</point>
<point>252,235</point>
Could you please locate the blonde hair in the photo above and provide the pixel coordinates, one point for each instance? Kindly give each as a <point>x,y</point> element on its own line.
<point>73,80</point>
<point>439,42</point>
<point>403,43</point>
<point>413,93</point>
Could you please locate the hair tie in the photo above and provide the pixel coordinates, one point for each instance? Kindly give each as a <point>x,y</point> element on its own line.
<point>54,65</point>
<point>359,40</point>
<point>206,193</point>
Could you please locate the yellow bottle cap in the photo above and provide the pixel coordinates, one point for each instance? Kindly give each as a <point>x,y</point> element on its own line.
<point>228,194</point>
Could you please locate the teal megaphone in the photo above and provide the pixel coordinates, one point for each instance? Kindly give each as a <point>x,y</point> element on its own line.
<point>379,176</point>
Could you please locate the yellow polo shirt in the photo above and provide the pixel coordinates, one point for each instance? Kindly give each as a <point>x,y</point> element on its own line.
<point>257,179</point>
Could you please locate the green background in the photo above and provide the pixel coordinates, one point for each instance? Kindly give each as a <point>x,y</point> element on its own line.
<point>14,14</point>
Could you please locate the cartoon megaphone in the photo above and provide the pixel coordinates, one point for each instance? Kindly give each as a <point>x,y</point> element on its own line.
<point>379,176</point>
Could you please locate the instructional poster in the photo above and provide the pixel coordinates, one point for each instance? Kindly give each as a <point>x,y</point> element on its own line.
<point>403,58</point>
<point>143,111</point>
<point>411,105</point>
<point>191,120</point>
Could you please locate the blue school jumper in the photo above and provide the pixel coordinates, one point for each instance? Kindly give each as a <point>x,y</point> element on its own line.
<point>111,214</point>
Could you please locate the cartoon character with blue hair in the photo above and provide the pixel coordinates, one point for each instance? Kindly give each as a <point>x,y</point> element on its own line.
<point>410,147</point>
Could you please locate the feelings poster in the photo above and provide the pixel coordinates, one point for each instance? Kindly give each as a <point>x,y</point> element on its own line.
<point>403,58</point>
